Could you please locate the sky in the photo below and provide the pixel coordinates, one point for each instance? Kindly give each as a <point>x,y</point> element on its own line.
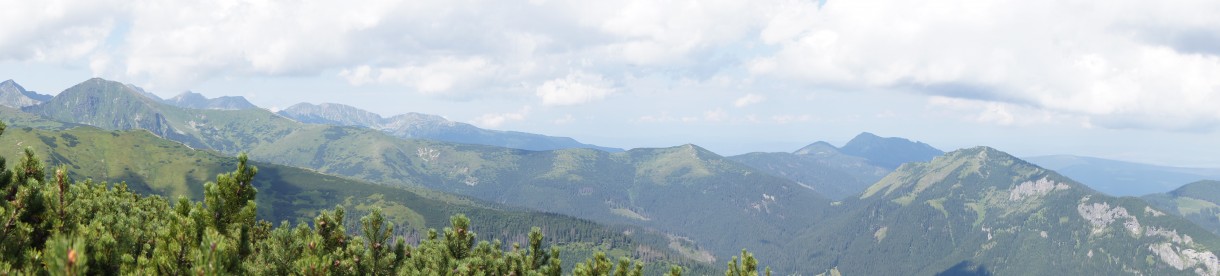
<point>1120,79</point>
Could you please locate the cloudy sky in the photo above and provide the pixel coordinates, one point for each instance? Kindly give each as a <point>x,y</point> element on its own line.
<point>1131,80</point>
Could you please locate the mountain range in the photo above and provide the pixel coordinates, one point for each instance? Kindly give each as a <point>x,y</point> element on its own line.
<point>637,187</point>
<point>181,116</point>
<point>432,127</point>
<point>875,206</point>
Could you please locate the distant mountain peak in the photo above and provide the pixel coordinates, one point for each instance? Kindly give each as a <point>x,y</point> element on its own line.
<point>194,100</point>
<point>819,147</point>
<point>865,139</point>
<point>696,149</point>
<point>15,96</point>
<point>980,152</point>
<point>189,95</point>
<point>138,90</point>
<point>867,135</point>
<point>888,152</point>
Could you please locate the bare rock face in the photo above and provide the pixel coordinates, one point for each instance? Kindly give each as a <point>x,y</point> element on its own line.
<point>1101,215</point>
<point>1184,258</point>
<point>1035,188</point>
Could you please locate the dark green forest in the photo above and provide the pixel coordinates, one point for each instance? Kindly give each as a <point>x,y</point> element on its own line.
<point>54,225</point>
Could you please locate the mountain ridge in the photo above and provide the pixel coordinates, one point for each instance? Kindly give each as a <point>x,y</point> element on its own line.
<point>194,100</point>
<point>15,96</point>
<point>424,126</point>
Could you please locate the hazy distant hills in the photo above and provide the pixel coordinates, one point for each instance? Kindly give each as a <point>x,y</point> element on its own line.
<point>15,96</point>
<point>980,211</point>
<point>1121,178</point>
<point>841,172</point>
<point>423,126</point>
<point>1197,201</point>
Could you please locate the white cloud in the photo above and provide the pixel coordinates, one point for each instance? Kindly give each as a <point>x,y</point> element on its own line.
<point>495,120</point>
<point>1003,114</point>
<point>436,77</point>
<point>55,30</point>
<point>1109,62</point>
<point>749,99</point>
<point>1125,64</point>
<point>576,88</point>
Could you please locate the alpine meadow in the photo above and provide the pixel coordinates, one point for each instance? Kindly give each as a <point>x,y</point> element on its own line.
<point>545,137</point>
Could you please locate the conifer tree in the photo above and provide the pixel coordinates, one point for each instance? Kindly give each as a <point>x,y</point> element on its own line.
<point>377,254</point>
<point>747,267</point>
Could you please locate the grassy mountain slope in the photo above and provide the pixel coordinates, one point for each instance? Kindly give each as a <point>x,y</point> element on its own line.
<point>684,190</point>
<point>811,172</point>
<point>980,211</point>
<point>1120,178</point>
<point>1198,201</point>
<point>15,117</point>
<point>153,165</point>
